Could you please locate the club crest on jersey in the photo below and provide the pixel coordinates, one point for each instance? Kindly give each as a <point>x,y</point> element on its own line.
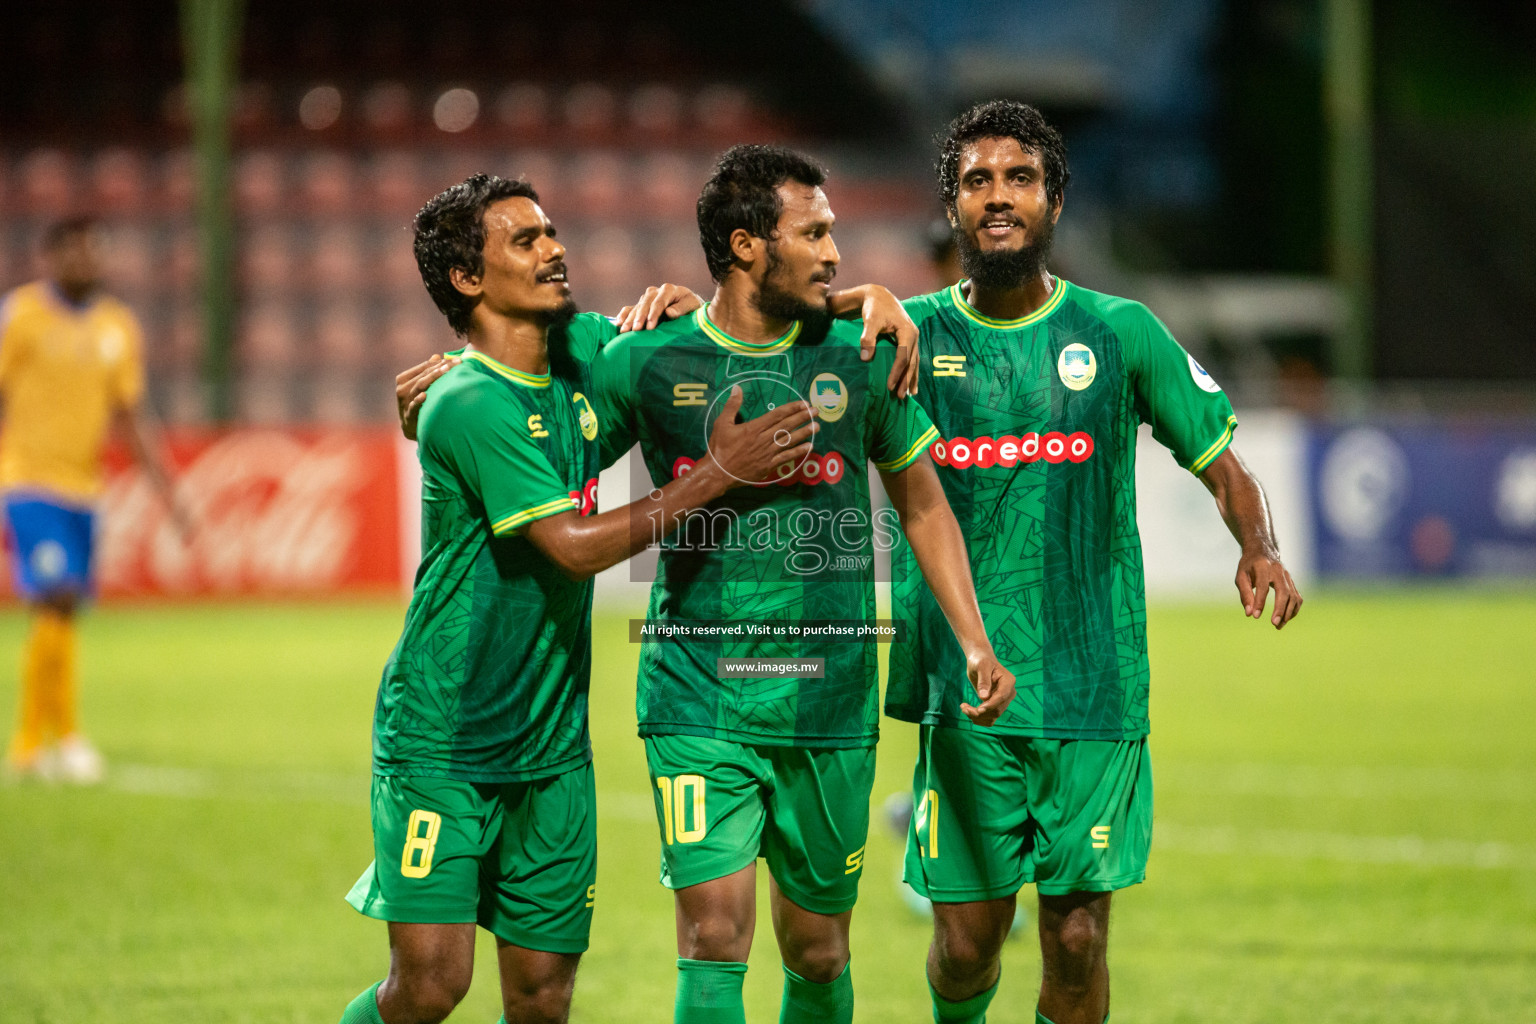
<point>1076,366</point>
<point>829,397</point>
<point>1203,380</point>
<point>585,415</point>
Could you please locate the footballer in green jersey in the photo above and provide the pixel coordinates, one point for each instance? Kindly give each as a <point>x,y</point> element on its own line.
<point>483,803</point>
<point>779,764</point>
<point>1037,387</point>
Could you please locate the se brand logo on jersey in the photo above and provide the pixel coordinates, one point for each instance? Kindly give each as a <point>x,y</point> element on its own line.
<point>689,394</point>
<point>536,426</point>
<point>949,366</point>
<point>585,500</point>
<point>1202,379</point>
<point>829,397</point>
<point>814,469</point>
<point>1076,366</point>
<point>1009,451</point>
<point>585,415</point>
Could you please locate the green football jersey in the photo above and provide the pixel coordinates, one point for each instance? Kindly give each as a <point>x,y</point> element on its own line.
<point>488,682</point>
<point>796,551</point>
<point>1038,459</point>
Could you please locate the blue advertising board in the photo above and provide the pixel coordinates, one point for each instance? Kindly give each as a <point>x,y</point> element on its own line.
<point>1392,500</point>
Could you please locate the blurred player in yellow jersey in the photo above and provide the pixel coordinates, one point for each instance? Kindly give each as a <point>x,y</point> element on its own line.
<point>70,370</point>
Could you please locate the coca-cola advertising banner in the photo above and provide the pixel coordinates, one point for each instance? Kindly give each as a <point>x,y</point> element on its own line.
<point>274,512</point>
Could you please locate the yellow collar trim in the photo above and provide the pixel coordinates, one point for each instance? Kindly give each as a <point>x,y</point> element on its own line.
<point>1058,293</point>
<point>529,380</point>
<point>746,348</point>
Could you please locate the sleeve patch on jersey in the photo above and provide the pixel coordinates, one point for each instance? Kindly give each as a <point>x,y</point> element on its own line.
<point>1217,447</point>
<point>910,456</point>
<point>520,519</point>
<point>1203,380</point>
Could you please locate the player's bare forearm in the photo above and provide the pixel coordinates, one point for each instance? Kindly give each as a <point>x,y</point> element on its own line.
<point>146,453</point>
<point>939,547</point>
<point>883,316</point>
<point>584,546</point>
<point>738,453</point>
<point>1245,509</point>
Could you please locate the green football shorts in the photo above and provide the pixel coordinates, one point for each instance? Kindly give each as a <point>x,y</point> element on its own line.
<point>720,805</point>
<point>518,858</point>
<point>993,811</point>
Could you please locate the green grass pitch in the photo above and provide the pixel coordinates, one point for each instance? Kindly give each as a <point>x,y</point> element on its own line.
<point>1346,828</point>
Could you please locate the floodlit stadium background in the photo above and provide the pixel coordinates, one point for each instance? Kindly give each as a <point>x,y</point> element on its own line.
<point>1330,207</point>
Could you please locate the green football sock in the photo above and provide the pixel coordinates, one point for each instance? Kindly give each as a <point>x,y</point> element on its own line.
<point>364,1009</point>
<point>807,1002</point>
<point>709,992</point>
<point>966,1011</point>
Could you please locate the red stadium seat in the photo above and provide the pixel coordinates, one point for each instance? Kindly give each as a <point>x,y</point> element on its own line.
<point>341,336</point>
<point>47,178</point>
<point>325,182</point>
<point>267,258</point>
<point>260,185</point>
<point>119,181</point>
<point>268,337</point>
<point>336,260</point>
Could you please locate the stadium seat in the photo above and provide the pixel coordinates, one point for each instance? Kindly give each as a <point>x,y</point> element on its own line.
<point>259,182</point>
<point>388,108</point>
<point>48,182</point>
<point>178,181</point>
<point>336,260</point>
<point>268,338</point>
<point>603,185</point>
<point>118,181</point>
<point>656,114</point>
<point>267,258</point>
<point>341,336</point>
<point>668,185</point>
<point>325,182</point>
<point>396,182</point>
<point>523,109</point>
<point>591,111</point>
<point>130,259</point>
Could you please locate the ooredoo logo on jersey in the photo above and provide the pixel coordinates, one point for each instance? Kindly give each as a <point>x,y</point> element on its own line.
<point>1009,451</point>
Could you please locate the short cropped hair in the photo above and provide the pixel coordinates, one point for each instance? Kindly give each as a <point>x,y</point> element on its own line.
<point>61,231</point>
<point>1008,119</point>
<point>743,193</point>
<point>450,232</point>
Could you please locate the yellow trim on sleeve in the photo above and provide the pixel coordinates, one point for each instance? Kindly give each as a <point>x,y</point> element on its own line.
<point>528,515</point>
<point>1058,294</point>
<point>929,436</point>
<point>1217,447</point>
<point>746,348</point>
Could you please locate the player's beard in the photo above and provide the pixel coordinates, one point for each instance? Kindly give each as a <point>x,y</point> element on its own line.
<point>777,303</point>
<point>1004,268</point>
<point>560,315</point>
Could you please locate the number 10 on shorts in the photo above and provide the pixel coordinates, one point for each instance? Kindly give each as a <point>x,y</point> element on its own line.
<point>680,795</point>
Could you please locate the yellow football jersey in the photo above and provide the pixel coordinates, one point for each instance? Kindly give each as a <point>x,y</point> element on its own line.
<point>64,370</point>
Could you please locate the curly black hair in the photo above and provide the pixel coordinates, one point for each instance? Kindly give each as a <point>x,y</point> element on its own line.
<point>743,193</point>
<point>450,232</point>
<point>1002,119</point>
